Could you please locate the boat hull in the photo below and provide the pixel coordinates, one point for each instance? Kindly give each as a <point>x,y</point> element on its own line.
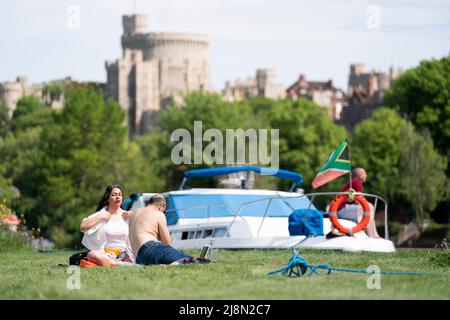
<point>246,234</point>
<point>350,244</point>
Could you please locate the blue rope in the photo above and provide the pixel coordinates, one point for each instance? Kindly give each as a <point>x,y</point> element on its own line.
<point>311,235</point>
<point>298,266</point>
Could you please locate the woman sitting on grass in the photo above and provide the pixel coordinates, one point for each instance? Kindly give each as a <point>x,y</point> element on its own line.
<point>106,231</point>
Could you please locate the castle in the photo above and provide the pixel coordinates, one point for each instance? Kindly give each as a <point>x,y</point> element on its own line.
<point>264,84</point>
<point>154,68</point>
<point>365,93</point>
<point>12,91</point>
<point>157,67</point>
<point>324,93</point>
<point>370,81</point>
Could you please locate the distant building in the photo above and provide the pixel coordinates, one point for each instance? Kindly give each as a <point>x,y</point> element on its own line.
<point>54,91</point>
<point>12,91</point>
<point>264,84</point>
<point>323,93</point>
<point>365,93</point>
<point>359,79</point>
<point>51,94</point>
<point>154,68</point>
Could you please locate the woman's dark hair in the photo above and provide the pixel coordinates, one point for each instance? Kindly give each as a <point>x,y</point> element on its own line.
<point>104,201</point>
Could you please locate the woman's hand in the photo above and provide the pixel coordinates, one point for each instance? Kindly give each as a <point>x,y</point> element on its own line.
<point>91,221</point>
<point>126,214</point>
<point>106,215</point>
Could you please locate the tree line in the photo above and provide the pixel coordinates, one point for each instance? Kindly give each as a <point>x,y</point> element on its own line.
<point>55,164</point>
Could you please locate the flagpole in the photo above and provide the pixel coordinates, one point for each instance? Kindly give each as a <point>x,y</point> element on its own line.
<point>350,179</point>
<point>348,150</point>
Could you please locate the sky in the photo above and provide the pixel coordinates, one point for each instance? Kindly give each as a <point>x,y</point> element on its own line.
<point>52,39</point>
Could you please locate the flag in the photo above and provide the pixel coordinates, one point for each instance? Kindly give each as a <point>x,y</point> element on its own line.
<point>336,165</point>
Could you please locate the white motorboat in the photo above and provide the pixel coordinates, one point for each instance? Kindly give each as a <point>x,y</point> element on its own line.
<point>252,218</point>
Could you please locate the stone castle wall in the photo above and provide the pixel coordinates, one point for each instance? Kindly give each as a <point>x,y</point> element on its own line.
<point>12,91</point>
<point>182,58</point>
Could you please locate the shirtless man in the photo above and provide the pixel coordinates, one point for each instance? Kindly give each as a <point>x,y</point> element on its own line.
<point>149,236</point>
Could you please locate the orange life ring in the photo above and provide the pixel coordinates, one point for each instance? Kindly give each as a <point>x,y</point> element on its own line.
<point>332,214</point>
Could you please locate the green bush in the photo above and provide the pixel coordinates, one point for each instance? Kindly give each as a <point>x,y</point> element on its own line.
<point>62,238</point>
<point>441,257</point>
<point>12,240</point>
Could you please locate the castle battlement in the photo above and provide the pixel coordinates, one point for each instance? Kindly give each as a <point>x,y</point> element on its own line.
<point>136,23</point>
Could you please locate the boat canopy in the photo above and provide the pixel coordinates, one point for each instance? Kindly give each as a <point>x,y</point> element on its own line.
<point>211,172</point>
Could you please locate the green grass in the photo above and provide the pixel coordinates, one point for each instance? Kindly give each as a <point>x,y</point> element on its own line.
<point>238,274</point>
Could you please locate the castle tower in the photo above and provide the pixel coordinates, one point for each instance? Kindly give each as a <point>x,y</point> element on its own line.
<point>357,78</point>
<point>267,85</point>
<point>136,23</point>
<point>154,68</point>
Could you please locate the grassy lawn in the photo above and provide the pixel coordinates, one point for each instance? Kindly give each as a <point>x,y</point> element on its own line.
<point>238,274</point>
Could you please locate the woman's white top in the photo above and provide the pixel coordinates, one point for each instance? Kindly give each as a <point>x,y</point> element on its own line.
<point>116,232</point>
<point>95,238</point>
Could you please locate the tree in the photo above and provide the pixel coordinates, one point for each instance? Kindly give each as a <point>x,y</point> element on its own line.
<point>423,180</point>
<point>4,119</point>
<point>26,105</point>
<point>156,151</point>
<point>6,187</point>
<point>212,111</point>
<point>84,149</point>
<point>20,150</point>
<point>36,119</point>
<point>19,154</point>
<point>307,137</point>
<point>423,95</point>
<point>376,147</point>
<point>400,163</point>
<point>207,107</point>
<point>54,88</point>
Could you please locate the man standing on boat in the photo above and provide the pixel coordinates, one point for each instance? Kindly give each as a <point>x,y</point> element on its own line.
<point>353,211</point>
<point>149,235</point>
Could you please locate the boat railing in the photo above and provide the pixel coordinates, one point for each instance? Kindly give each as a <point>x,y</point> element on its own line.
<point>313,195</point>
<point>269,199</point>
<point>369,195</point>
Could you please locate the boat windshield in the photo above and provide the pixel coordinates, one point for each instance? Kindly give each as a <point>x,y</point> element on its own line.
<point>206,204</point>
